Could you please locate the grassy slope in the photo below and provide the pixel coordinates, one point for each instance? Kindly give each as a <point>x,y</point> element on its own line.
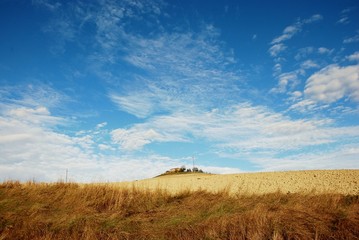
<point>72,211</point>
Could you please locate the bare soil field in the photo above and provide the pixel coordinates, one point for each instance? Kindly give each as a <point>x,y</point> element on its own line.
<point>315,181</point>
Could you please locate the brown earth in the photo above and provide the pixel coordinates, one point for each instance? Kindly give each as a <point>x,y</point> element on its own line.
<point>318,181</point>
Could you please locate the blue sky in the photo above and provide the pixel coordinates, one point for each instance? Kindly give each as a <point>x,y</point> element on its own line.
<point>124,90</point>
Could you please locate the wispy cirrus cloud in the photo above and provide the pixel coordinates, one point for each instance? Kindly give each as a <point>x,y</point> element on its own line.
<point>323,50</point>
<point>277,48</point>
<point>288,33</point>
<point>309,64</point>
<point>52,6</point>
<point>352,39</point>
<point>32,95</point>
<point>286,80</point>
<point>189,69</point>
<point>110,19</point>
<point>277,44</point>
<point>344,16</point>
<point>138,104</point>
<point>304,105</point>
<point>304,53</point>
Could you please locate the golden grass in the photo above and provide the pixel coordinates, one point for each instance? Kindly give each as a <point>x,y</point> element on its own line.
<point>94,211</point>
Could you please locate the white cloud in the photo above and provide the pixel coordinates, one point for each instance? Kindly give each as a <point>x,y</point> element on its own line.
<point>101,125</point>
<point>135,138</point>
<point>303,53</point>
<point>276,49</point>
<point>44,156</point>
<point>354,57</point>
<point>26,144</point>
<point>297,94</point>
<point>353,39</point>
<point>309,64</point>
<point>333,83</point>
<point>288,33</point>
<point>286,80</point>
<point>52,6</point>
<point>159,97</point>
<point>343,20</point>
<point>140,105</point>
<point>314,18</point>
<point>32,148</point>
<point>306,106</point>
<point>110,19</point>
<point>277,69</point>
<point>293,29</point>
<point>323,50</point>
<point>168,128</point>
<point>185,54</point>
<point>38,116</point>
<point>289,80</point>
<point>106,147</point>
<point>32,96</point>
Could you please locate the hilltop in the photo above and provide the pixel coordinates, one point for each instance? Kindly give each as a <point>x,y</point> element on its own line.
<point>182,170</point>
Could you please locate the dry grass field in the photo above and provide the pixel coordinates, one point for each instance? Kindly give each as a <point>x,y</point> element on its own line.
<point>263,207</point>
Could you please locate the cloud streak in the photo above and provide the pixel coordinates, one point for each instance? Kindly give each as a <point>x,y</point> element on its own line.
<point>289,32</point>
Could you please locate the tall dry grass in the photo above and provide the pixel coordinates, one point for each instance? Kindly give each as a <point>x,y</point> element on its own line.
<point>73,211</point>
